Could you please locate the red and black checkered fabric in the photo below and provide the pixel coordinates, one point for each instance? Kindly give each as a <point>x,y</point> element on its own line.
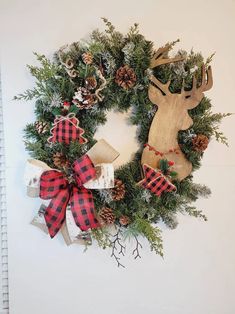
<point>82,199</point>
<point>84,170</point>
<point>51,182</point>
<point>155,181</point>
<point>54,186</point>
<point>66,130</point>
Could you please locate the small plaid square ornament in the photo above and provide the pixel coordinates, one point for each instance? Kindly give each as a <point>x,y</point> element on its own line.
<point>66,129</point>
<point>155,181</point>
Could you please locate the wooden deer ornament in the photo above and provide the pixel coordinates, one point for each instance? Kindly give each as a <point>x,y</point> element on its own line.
<point>172,116</point>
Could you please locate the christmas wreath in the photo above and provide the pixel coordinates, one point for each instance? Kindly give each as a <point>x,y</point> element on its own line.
<point>84,197</point>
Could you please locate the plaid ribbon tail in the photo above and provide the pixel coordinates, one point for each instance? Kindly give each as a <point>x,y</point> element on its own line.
<point>56,212</point>
<point>83,209</point>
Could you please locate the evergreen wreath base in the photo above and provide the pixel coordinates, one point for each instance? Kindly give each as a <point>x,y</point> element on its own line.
<point>57,82</point>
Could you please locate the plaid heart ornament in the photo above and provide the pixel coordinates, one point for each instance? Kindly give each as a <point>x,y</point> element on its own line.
<point>155,181</point>
<point>55,186</point>
<point>66,129</point>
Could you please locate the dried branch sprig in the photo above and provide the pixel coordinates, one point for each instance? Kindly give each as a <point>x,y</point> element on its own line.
<point>117,245</point>
<point>136,251</point>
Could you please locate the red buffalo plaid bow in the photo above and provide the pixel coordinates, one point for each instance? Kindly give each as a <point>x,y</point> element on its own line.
<point>55,186</point>
<point>155,181</point>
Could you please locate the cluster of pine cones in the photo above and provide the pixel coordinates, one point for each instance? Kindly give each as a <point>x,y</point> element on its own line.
<point>107,217</point>
<point>106,214</point>
<point>85,98</point>
<point>118,192</point>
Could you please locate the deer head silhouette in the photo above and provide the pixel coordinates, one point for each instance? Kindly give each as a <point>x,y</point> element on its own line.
<point>172,115</point>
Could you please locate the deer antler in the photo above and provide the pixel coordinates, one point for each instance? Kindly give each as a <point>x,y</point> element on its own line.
<point>163,87</point>
<point>157,60</point>
<point>195,95</point>
<point>158,57</point>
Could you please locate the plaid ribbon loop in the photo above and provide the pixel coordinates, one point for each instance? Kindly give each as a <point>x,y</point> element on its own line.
<point>55,186</point>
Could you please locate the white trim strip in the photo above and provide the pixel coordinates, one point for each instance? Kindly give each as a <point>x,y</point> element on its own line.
<point>4,294</point>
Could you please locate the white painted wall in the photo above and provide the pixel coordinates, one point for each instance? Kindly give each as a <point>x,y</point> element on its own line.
<point>197,274</point>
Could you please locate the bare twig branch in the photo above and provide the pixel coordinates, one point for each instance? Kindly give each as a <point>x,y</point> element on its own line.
<point>117,245</point>
<point>136,250</point>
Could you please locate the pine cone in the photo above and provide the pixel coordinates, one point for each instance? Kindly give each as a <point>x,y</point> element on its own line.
<point>124,220</point>
<point>200,142</point>
<point>91,82</point>
<point>118,192</point>
<point>125,77</point>
<point>106,216</point>
<point>41,127</point>
<point>60,161</point>
<point>83,98</point>
<point>87,57</point>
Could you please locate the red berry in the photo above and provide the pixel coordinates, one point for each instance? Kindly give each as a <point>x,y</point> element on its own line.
<point>171,163</point>
<point>66,104</point>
